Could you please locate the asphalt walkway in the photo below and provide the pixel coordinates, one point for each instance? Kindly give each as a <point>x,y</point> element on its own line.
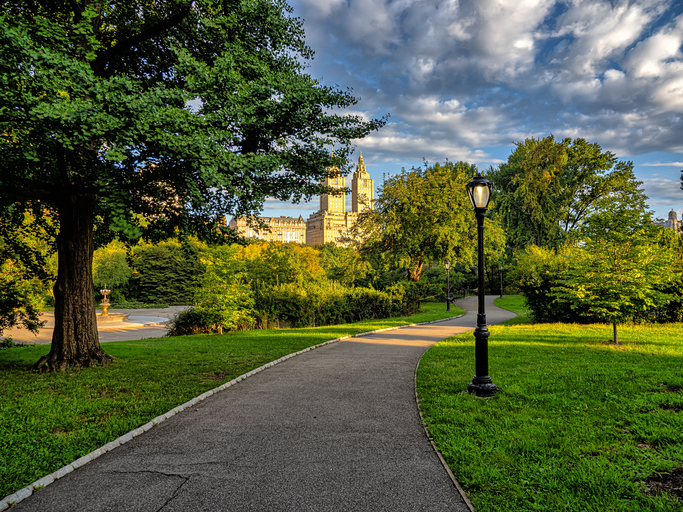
<point>332,429</point>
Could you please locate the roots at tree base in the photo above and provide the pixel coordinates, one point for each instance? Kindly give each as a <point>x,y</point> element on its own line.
<point>52,363</point>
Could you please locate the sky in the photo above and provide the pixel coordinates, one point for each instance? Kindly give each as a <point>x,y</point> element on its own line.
<point>466,79</point>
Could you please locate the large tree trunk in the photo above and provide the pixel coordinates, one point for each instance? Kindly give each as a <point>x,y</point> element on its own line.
<point>75,342</point>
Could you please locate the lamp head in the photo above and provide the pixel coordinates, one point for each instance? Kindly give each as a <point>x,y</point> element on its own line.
<point>447,264</point>
<point>479,191</point>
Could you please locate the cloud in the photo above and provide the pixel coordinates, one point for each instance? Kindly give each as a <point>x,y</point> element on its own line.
<point>662,192</point>
<point>663,164</point>
<point>464,78</point>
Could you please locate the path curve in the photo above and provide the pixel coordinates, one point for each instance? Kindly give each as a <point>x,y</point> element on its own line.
<point>336,428</point>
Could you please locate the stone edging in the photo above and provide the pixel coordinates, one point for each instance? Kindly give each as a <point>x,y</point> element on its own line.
<point>27,491</point>
<point>461,491</point>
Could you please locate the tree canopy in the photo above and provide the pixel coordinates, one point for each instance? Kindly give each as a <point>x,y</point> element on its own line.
<point>145,118</point>
<point>619,269</point>
<point>424,215</point>
<point>547,188</point>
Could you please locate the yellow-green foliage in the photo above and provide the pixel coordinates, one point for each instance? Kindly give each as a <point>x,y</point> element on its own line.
<point>274,263</point>
<point>110,266</point>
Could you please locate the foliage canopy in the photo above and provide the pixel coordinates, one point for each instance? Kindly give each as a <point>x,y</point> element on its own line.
<point>142,118</point>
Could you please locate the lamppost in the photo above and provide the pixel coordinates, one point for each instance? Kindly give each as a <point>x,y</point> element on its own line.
<point>501,280</point>
<point>447,266</point>
<point>479,190</point>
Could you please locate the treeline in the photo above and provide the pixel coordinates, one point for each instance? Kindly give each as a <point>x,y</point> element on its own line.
<point>261,284</point>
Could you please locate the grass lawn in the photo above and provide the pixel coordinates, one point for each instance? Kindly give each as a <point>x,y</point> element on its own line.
<point>516,304</point>
<point>577,424</point>
<point>49,420</point>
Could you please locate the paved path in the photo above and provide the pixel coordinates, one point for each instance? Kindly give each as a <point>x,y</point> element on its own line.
<point>333,429</point>
<point>140,324</point>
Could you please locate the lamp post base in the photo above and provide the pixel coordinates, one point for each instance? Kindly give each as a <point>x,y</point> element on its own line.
<point>482,387</point>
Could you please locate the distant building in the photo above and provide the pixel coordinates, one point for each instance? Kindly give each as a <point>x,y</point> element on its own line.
<point>332,221</point>
<point>672,222</point>
<point>328,224</point>
<point>282,229</point>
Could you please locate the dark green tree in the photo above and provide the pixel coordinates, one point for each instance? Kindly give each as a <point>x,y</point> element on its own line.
<point>547,188</point>
<point>148,117</point>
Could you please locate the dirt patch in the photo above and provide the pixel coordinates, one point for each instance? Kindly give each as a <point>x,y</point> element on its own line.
<point>670,408</point>
<point>671,483</point>
<point>664,388</point>
<point>216,376</point>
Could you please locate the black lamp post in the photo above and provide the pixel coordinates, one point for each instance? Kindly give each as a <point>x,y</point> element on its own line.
<point>501,281</point>
<point>447,266</point>
<point>479,190</point>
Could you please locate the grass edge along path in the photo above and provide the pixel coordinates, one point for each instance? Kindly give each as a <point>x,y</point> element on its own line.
<point>48,421</point>
<point>578,423</point>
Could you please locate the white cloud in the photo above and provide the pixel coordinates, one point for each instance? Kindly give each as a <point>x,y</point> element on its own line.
<point>662,191</point>
<point>322,7</point>
<point>461,75</point>
<point>663,164</point>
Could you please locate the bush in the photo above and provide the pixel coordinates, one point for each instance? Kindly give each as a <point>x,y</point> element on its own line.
<point>330,303</point>
<point>537,273</point>
<point>192,321</point>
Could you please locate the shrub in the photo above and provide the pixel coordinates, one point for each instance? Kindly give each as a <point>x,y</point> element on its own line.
<point>538,271</point>
<point>328,303</point>
<point>192,321</point>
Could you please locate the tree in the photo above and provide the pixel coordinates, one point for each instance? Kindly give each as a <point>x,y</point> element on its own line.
<point>343,264</point>
<point>619,269</point>
<point>223,290</point>
<point>422,215</point>
<point>145,118</point>
<point>25,267</point>
<point>111,269</point>
<point>547,188</point>
<point>166,272</point>
<point>272,263</point>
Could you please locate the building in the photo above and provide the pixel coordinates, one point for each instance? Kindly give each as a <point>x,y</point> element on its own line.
<point>281,229</point>
<point>332,221</point>
<point>672,222</point>
<point>328,224</point>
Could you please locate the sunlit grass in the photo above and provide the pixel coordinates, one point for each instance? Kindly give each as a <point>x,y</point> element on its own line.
<point>578,423</point>
<point>50,420</point>
<point>517,305</point>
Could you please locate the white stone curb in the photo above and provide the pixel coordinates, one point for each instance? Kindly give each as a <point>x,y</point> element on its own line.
<point>27,491</point>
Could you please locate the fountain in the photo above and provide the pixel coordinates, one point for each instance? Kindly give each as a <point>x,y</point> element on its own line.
<point>106,316</point>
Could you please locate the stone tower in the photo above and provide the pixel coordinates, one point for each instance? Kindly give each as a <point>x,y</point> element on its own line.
<point>673,222</point>
<point>334,203</point>
<point>362,189</point>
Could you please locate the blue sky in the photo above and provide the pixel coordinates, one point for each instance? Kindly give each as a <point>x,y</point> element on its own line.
<point>465,79</point>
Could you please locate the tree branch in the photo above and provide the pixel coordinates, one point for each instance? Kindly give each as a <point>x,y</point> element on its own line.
<point>30,189</point>
<point>147,32</point>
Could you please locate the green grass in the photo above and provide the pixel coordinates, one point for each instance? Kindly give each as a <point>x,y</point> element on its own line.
<point>577,424</point>
<point>49,420</point>
<point>516,304</point>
